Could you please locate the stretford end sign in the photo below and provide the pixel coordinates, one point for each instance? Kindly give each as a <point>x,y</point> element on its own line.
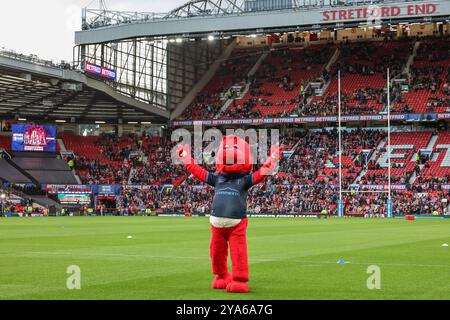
<point>380,12</point>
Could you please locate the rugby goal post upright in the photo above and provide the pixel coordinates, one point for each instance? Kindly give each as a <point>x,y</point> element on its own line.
<point>388,150</point>
<point>340,203</point>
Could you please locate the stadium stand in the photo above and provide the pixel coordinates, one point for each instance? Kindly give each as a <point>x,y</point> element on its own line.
<point>281,86</point>
<point>11,174</point>
<point>420,203</point>
<point>428,79</point>
<point>364,64</point>
<point>96,158</point>
<point>436,170</point>
<point>234,71</point>
<point>307,178</point>
<point>42,96</point>
<point>5,142</point>
<point>305,182</point>
<point>108,159</point>
<point>46,170</point>
<point>405,146</point>
<point>363,76</point>
<point>280,82</point>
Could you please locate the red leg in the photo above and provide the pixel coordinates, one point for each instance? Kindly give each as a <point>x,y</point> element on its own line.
<point>219,257</point>
<point>239,258</point>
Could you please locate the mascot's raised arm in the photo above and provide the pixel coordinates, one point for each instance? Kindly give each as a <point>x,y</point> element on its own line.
<point>233,178</point>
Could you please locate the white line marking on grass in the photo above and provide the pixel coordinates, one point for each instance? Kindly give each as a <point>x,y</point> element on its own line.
<point>113,255</point>
<point>258,260</point>
<point>365,263</point>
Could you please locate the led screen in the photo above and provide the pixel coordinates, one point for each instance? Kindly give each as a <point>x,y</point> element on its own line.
<point>31,137</point>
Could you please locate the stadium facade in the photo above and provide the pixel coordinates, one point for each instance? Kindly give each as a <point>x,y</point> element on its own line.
<point>164,59</point>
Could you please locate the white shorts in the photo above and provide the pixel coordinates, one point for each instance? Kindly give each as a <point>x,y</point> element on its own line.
<point>223,222</point>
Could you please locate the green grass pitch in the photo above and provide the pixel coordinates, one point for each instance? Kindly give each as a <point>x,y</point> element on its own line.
<point>167,258</point>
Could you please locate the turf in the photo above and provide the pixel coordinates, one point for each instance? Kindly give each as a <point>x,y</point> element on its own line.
<point>168,258</point>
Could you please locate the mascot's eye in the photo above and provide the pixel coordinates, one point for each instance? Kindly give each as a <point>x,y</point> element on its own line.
<point>235,146</point>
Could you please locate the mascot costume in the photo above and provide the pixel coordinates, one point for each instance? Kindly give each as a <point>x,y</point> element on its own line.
<point>232,180</point>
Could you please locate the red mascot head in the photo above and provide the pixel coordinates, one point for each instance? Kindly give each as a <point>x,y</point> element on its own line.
<point>234,156</point>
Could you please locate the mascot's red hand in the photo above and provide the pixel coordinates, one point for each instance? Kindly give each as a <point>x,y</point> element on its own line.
<point>275,152</point>
<point>269,167</point>
<point>184,153</point>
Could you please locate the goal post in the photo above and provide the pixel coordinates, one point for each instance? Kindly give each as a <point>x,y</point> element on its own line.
<point>388,150</point>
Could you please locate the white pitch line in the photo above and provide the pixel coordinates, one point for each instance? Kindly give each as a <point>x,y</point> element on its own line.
<point>364,263</point>
<point>112,255</point>
<point>310,262</point>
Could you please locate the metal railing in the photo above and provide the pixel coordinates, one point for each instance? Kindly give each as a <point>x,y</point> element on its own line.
<point>32,58</point>
<point>98,18</point>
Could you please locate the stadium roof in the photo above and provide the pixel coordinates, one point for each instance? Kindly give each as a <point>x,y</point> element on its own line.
<point>231,17</point>
<point>38,90</point>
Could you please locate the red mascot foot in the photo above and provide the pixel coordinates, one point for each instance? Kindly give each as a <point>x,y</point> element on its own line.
<point>221,282</point>
<point>238,287</point>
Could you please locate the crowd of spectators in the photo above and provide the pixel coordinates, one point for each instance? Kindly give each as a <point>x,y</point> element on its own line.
<point>369,58</point>
<point>158,167</point>
<point>360,59</point>
<point>431,181</point>
<point>133,198</point>
<point>289,70</point>
<point>12,204</point>
<point>281,81</point>
<point>401,106</point>
<point>114,165</point>
<point>244,109</point>
<point>379,176</point>
<point>93,171</point>
<point>428,79</point>
<point>21,210</point>
<point>420,203</point>
<point>6,127</point>
<point>403,202</point>
<point>135,159</point>
<point>365,203</point>
<point>293,199</point>
<point>232,72</point>
<point>306,182</point>
<point>361,101</point>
